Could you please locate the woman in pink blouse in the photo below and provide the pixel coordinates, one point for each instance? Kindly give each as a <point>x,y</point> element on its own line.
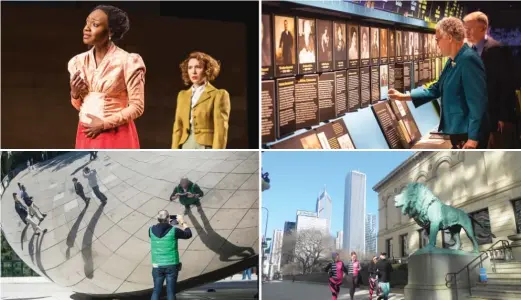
<point>107,84</point>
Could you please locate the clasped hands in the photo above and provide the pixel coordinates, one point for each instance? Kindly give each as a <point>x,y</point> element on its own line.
<point>93,129</point>
<point>189,195</point>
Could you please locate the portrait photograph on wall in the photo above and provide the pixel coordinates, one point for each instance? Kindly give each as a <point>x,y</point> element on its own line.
<point>364,46</point>
<point>115,75</point>
<point>354,46</point>
<point>306,47</point>
<point>266,47</point>
<point>383,46</point>
<point>384,81</point>
<point>285,46</point>
<point>375,46</point>
<point>325,45</point>
<point>340,45</point>
<point>399,46</point>
<point>392,46</point>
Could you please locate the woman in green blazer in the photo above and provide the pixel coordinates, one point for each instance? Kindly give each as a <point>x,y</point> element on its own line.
<point>462,87</point>
<point>188,193</point>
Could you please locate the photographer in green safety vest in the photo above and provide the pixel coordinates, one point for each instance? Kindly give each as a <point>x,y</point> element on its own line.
<point>165,252</point>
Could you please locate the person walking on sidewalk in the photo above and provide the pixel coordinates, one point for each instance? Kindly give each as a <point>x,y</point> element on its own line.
<point>78,187</point>
<point>188,193</point>
<point>373,278</point>
<point>354,272</point>
<point>91,176</point>
<point>24,215</point>
<point>165,252</point>
<point>384,269</point>
<point>33,209</point>
<point>336,270</point>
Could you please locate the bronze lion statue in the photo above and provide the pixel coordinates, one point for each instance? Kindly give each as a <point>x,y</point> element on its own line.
<point>419,203</point>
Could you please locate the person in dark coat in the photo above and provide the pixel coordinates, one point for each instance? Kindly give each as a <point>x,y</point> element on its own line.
<point>501,90</point>
<point>78,187</point>
<point>384,270</point>
<point>188,193</point>
<point>25,217</point>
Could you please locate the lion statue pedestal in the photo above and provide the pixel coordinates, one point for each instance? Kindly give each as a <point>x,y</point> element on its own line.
<point>427,273</point>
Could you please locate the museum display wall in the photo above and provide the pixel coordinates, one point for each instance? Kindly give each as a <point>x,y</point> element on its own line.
<point>320,70</point>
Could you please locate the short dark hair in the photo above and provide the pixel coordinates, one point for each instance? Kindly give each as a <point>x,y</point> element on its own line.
<point>14,195</point>
<point>353,252</point>
<point>383,253</point>
<point>74,179</point>
<point>119,22</point>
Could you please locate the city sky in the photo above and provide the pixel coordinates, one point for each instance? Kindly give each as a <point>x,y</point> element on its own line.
<point>297,178</point>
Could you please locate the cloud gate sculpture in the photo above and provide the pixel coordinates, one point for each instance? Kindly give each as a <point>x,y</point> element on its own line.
<point>104,249</point>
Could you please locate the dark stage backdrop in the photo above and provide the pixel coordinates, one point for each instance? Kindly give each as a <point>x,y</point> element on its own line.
<point>38,39</point>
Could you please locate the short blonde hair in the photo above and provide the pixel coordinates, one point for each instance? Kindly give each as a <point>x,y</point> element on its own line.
<point>477,16</point>
<point>453,27</point>
<point>212,67</point>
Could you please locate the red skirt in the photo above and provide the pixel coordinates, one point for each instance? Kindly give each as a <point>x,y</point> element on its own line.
<point>122,137</point>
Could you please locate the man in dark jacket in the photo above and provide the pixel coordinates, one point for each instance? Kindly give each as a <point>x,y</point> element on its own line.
<point>24,215</point>
<point>384,269</point>
<point>78,187</point>
<point>497,59</point>
<point>188,193</point>
<point>165,252</point>
<point>33,209</point>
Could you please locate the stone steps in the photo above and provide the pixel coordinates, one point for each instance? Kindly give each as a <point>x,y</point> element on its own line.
<point>504,284</point>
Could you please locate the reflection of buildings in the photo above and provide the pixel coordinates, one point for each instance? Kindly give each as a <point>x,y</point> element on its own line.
<point>325,208</point>
<point>485,184</point>
<point>339,241</point>
<point>354,212</point>
<point>370,234</point>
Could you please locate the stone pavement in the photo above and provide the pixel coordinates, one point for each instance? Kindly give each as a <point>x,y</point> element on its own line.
<point>100,249</point>
<point>287,290</point>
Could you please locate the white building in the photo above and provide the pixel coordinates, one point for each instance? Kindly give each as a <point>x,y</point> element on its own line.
<point>339,242</point>
<point>370,234</point>
<point>354,212</point>
<point>276,251</point>
<point>310,220</point>
<point>325,208</point>
<point>485,184</point>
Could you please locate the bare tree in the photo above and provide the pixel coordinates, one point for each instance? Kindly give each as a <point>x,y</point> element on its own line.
<point>311,247</point>
<point>291,269</point>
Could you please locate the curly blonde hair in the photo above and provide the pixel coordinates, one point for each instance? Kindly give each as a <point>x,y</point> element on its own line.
<point>212,67</point>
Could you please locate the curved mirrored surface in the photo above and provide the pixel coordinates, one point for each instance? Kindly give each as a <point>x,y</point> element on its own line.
<point>101,245</point>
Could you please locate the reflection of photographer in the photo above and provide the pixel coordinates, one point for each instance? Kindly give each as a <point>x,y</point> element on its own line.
<point>165,252</point>
<point>188,193</point>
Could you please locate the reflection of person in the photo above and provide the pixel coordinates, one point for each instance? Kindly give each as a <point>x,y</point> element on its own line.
<point>203,111</point>
<point>500,86</point>
<point>398,43</point>
<point>374,44</point>
<point>78,188</point>
<point>286,44</point>
<point>189,193</point>
<point>25,217</point>
<point>164,251</point>
<point>336,270</point>
<point>463,90</point>
<point>91,176</point>
<point>34,210</point>
<point>391,44</point>
<point>383,270</point>
<point>365,43</point>
<point>266,43</point>
<point>306,45</point>
<point>340,44</point>
<point>107,84</point>
<point>353,48</point>
<point>383,43</point>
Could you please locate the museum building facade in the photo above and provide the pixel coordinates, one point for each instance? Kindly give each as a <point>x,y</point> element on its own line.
<point>486,185</point>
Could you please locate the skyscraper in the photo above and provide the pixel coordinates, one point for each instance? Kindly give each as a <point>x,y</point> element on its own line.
<point>354,212</point>
<point>370,234</point>
<point>310,220</point>
<point>339,243</point>
<point>325,208</point>
<point>276,252</point>
<point>288,244</point>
